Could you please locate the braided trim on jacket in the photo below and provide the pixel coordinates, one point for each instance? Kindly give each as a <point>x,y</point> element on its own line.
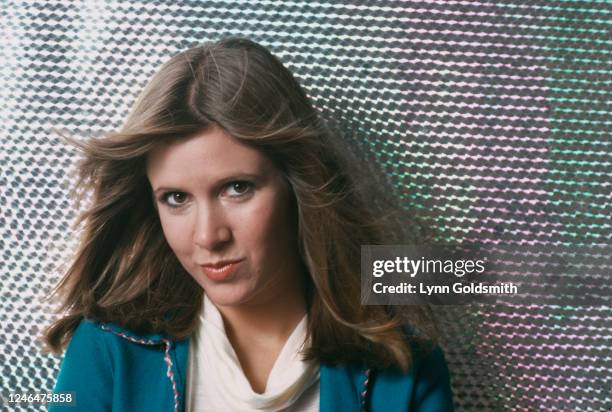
<point>167,358</point>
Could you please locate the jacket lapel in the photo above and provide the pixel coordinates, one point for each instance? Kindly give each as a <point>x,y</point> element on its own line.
<point>181,354</point>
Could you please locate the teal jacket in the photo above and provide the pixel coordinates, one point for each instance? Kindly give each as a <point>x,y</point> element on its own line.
<point>108,368</point>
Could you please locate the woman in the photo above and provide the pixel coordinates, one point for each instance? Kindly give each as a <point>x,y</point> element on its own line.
<point>219,264</point>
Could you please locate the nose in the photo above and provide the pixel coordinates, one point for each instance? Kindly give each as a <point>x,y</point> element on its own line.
<point>211,230</point>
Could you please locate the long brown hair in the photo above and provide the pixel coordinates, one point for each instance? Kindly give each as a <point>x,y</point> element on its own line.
<point>124,271</point>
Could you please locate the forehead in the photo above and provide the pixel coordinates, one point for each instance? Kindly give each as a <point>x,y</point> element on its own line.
<point>208,154</point>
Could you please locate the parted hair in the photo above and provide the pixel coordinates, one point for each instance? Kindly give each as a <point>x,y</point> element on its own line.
<point>124,271</point>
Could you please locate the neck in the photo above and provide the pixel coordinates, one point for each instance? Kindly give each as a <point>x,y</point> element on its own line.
<point>258,330</point>
<point>268,321</point>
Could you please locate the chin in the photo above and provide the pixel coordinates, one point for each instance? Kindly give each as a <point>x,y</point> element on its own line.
<point>226,295</point>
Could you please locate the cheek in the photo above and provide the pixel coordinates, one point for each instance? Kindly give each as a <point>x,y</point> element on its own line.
<point>175,232</point>
<point>269,225</point>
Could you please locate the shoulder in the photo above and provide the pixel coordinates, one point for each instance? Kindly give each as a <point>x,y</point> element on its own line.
<point>109,367</point>
<point>86,364</point>
<point>432,389</point>
<point>89,346</point>
<point>425,387</point>
<point>88,329</point>
<point>109,341</point>
<point>88,337</point>
<point>96,345</point>
<point>429,358</point>
<point>91,331</point>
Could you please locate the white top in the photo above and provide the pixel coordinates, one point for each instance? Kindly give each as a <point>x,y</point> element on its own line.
<point>216,382</point>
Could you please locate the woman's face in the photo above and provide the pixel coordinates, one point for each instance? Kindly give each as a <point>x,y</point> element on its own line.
<point>225,210</point>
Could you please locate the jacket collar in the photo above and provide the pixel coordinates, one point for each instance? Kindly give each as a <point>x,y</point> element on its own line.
<point>142,338</point>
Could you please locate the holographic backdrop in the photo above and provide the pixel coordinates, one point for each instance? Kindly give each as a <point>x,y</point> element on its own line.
<point>492,118</point>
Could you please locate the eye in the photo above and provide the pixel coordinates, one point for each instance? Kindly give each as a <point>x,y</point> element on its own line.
<point>238,188</point>
<point>173,199</point>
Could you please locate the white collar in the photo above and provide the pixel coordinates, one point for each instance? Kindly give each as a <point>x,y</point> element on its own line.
<point>218,369</point>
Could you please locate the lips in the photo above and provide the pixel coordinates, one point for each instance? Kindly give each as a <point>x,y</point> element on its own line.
<point>220,271</point>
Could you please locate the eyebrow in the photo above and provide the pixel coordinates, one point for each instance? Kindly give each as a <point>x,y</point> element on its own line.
<point>218,184</point>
